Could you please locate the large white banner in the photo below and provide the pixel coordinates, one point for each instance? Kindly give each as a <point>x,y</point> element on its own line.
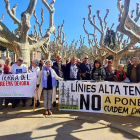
<point>18,85</point>
<point>100,97</point>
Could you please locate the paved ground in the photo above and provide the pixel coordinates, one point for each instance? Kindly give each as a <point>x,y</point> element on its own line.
<point>58,129</point>
<point>129,123</point>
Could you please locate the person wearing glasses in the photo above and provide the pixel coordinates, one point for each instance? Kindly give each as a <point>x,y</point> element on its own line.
<point>72,70</point>
<point>85,69</point>
<point>18,68</point>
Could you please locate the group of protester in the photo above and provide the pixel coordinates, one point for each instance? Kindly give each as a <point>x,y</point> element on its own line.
<point>49,72</point>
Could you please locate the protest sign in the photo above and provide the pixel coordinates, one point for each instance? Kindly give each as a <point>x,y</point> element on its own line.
<point>18,85</point>
<point>100,97</point>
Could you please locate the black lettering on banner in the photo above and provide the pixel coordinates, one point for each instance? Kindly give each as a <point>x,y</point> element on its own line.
<point>23,77</point>
<point>117,89</point>
<point>124,101</point>
<point>125,89</point>
<point>16,78</point>
<point>115,109</point>
<point>111,88</point>
<point>135,111</point>
<point>94,88</point>
<point>131,90</point>
<point>80,87</point>
<point>137,90</point>
<point>138,102</point>
<point>106,89</point>
<point>28,77</point>
<point>72,90</point>
<point>88,88</point>
<point>101,88</point>
<point>132,102</point>
<point>117,99</point>
<point>98,102</point>
<point>107,99</point>
<point>76,86</point>
<point>83,101</point>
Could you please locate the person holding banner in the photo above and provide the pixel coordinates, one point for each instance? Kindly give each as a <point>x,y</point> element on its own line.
<point>110,72</point>
<point>72,70</point>
<point>98,72</point>
<point>36,69</point>
<point>120,75</point>
<point>133,71</point>
<point>47,81</point>
<point>18,68</point>
<point>4,69</point>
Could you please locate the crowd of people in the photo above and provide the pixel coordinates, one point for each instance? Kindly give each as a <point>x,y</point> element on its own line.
<point>50,73</point>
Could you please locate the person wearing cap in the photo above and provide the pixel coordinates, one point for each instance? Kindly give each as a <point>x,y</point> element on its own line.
<point>47,81</point>
<point>18,68</point>
<point>36,69</point>
<point>85,69</point>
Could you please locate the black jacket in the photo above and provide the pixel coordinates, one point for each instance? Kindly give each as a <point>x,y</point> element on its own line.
<point>56,69</point>
<point>129,70</point>
<point>98,74</point>
<point>67,72</point>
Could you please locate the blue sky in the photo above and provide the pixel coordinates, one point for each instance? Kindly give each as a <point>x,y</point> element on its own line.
<point>72,11</point>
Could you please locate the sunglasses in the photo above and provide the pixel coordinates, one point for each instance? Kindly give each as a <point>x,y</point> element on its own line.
<point>20,60</point>
<point>85,58</point>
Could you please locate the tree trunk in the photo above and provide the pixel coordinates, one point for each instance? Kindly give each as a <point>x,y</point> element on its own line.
<point>25,53</point>
<point>116,63</point>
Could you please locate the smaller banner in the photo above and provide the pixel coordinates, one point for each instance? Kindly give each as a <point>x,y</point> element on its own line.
<point>100,97</point>
<point>18,85</point>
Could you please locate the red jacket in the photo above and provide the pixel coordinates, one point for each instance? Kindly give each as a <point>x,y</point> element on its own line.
<point>6,69</point>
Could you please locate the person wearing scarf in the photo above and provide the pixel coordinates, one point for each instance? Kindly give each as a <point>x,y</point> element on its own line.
<point>121,75</point>
<point>47,81</point>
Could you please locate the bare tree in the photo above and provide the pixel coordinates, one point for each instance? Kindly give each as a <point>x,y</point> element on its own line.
<point>101,50</point>
<point>127,25</point>
<point>20,42</point>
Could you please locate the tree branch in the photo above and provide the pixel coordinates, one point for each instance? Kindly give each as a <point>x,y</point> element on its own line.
<point>2,18</point>
<point>40,24</point>
<point>7,7</point>
<point>105,19</point>
<point>90,20</point>
<point>125,20</point>
<point>31,7</point>
<point>5,43</point>
<point>51,11</point>
<point>7,34</point>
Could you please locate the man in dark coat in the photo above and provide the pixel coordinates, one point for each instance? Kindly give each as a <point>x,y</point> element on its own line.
<point>59,68</point>
<point>85,68</point>
<point>72,70</point>
<point>133,71</point>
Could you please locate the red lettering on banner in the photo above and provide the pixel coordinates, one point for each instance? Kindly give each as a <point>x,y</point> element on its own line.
<point>2,83</point>
<point>21,83</point>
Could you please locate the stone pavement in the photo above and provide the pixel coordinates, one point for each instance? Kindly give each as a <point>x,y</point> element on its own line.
<point>58,129</point>
<point>129,124</point>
